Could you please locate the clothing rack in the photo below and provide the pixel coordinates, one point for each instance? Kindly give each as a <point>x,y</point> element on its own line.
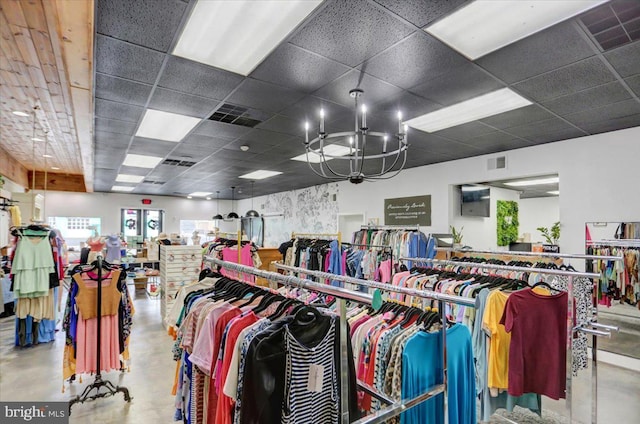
<point>391,227</point>
<point>535,254</point>
<point>338,235</point>
<point>387,249</point>
<point>592,327</point>
<point>395,409</point>
<point>342,294</point>
<point>99,383</point>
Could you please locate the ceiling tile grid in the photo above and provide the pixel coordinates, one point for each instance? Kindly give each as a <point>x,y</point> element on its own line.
<point>375,45</point>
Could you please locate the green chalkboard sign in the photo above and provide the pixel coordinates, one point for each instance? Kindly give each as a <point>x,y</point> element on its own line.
<point>414,210</point>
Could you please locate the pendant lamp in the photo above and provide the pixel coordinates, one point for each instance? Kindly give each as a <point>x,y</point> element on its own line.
<point>218,216</point>
<point>233,215</point>
<point>252,213</point>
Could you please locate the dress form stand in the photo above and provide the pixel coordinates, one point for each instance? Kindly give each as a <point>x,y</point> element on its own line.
<point>99,383</point>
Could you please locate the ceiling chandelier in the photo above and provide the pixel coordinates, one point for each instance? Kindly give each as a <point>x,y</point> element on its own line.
<point>360,155</point>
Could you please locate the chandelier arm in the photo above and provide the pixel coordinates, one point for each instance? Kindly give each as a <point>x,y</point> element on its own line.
<point>396,172</point>
<point>364,144</point>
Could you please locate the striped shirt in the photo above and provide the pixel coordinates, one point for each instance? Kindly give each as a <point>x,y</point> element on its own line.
<point>311,388</point>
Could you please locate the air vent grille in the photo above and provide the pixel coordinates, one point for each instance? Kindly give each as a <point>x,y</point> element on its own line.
<point>235,115</point>
<point>614,24</point>
<point>178,162</point>
<point>154,182</point>
<point>499,162</point>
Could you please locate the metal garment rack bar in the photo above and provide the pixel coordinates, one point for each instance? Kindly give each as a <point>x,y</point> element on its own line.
<point>504,267</point>
<point>341,294</point>
<point>338,236</point>
<point>540,254</point>
<point>427,294</point>
<point>395,409</point>
<point>390,227</point>
<point>584,327</point>
<point>615,243</point>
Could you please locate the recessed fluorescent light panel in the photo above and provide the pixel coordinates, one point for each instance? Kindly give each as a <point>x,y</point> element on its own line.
<point>121,188</point>
<point>539,181</point>
<point>238,35</point>
<point>473,30</point>
<point>166,126</point>
<point>555,192</point>
<point>473,188</point>
<point>200,194</point>
<point>141,161</point>
<point>124,178</point>
<point>330,150</point>
<point>261,174</point>
<point>489,104</point>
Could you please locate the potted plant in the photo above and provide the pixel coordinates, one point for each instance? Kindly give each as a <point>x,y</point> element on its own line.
<point>457,236</point>
<point>551,235</point>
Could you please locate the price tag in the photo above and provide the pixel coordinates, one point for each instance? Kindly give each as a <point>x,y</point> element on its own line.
<point>316,377</point>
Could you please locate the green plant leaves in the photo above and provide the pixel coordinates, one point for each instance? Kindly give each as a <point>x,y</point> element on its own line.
<point>508,224</point>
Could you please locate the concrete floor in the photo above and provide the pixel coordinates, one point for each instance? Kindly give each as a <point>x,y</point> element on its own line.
<point>35,374</point>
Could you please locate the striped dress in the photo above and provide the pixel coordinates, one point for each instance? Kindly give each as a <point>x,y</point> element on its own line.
<point>311,388</point>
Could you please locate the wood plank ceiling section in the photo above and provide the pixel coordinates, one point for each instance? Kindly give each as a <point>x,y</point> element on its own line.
<point>46,51</point>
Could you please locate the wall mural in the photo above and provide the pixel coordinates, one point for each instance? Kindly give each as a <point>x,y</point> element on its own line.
<point>309,210</point>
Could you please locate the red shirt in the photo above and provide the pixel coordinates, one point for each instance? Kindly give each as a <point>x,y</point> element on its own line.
<point>538,350</point>
<point>225,405</point>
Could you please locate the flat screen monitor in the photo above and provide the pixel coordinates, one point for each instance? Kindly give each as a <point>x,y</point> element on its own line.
<point>475,200</point>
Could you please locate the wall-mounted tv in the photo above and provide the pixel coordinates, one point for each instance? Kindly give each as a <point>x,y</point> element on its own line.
<point>475,200</point>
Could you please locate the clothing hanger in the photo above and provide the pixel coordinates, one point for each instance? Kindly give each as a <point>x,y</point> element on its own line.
<point>544,284</point>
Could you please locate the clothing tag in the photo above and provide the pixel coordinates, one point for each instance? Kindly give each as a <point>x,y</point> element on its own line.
<point>316,377</point>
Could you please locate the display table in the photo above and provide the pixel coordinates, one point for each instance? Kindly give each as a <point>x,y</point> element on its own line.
<point>267,255</point>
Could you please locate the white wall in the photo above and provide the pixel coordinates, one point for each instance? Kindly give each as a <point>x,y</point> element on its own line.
<point>479,232</point>
<point>107,206</point>
<point>539,212</point>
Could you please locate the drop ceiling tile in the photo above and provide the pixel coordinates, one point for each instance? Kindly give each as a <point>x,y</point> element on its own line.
<point>115,110</point>
<point>634,84</point>
<point>149,23</point>
<point>409,104</point>
<point>147,146</point>
<point>422,12</point>
<point>180,103</point>
<point>375,90</point>
<point>308,110</point>
<point>126,60</point>
<point>462,83</point>
<point>625,59</point>
<point>121,90</point>
<point>264,96</point>
<point>414,60</point>
<point>571,79</point>
<point>112,125</point>
<point>283,124</point>
<point>186,150</point>
<point>105,174</point>
<point>496,142</point>
<point>534,131</point>
<point>220,129</point>
<point>106,139</point>
<point>517,117</point>
<point>609,112</point>
<point>205,141</point>
<point>464,132</point>
<point>439,145</point>
<point>558,135</point>
<point>261,136</point>
<point>612,124</point>
<point>593,97</point>
<point>298,69</point>
<point>351,31</point>
<point>545,51</point>
<point>196,78</point>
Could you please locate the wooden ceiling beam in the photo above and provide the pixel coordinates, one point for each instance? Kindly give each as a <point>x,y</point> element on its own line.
<point>12,169</point>
<point>57,182</point>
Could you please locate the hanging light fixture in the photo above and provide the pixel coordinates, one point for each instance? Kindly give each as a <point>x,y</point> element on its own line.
<point>218,216</point>
<point>357,161</point>
<point>233,215</point>
<point>252,213</point>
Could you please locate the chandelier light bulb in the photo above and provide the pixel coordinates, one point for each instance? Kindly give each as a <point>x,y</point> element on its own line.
<point>306,126</point>
<point>399,116</point>
<point>351,140</point>
<point>322,113</point>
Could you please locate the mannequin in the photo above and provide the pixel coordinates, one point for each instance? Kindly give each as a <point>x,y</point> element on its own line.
<point>195,237</point>
<point>113,248</point>
<point>96,245</point>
